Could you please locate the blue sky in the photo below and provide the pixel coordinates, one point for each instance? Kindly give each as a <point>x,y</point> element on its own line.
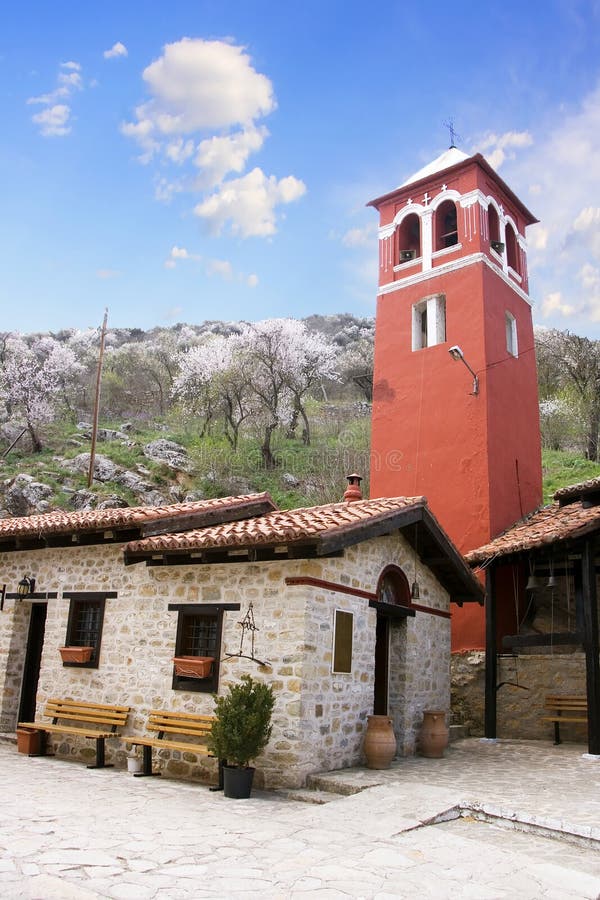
<point>212,160</point>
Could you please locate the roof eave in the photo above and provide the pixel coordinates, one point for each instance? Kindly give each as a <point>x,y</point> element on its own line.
<point>476,158</point>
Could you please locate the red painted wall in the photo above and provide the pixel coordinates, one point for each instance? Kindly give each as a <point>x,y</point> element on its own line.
<point>477,459</point>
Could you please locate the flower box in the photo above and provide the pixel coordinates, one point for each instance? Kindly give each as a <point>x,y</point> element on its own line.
<point>193,666</point>
<point>76,654</point>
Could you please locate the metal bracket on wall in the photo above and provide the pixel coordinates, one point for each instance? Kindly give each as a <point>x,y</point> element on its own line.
<point>247,625</point>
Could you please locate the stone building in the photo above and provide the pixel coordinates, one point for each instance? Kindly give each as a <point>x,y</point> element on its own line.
<point>339,630</point>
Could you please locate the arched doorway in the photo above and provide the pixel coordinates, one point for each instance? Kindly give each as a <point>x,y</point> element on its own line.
<point>393,591</point>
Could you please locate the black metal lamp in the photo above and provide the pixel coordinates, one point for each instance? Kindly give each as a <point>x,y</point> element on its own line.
<point>415,592</point>
<point>25,587</point>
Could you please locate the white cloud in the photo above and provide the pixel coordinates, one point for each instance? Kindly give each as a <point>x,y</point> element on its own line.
<point>553,303</point>
<point>499,147</point>
<point>115,51</point>
<point>178,151</point>
<point>586,229</point>
<point>360,237</point>
<point>538,238</point>
<point>587,218</point>
<point>70,81</point>
<point>199,85</point>
<point>249,203</point>
<point>589,276</point>
<point>220,267</point>
<point>53,121</point>
<point>563,168</point>
<point>205,102</point>
<point>177,254</point>
<point>164,190</point>
<point>219,155</point>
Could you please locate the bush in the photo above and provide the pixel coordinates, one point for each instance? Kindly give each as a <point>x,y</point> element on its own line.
<point>243,722</point>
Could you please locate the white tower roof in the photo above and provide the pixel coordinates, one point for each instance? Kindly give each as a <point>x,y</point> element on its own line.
<point>448,158</point>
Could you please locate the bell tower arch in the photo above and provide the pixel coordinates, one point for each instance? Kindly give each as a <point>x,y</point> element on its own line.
<point>461,428</point>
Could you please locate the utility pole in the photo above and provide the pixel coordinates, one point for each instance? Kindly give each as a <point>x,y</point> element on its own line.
<point>97,401</point>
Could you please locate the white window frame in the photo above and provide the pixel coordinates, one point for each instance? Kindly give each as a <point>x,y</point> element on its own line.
<point>435,308</point>
<point>512,343</point>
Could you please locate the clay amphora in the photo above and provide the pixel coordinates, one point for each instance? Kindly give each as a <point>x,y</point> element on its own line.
<point>380,742</point>
<point>433,737</point>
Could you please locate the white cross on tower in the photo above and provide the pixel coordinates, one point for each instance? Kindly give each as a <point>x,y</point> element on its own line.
<point>426,199</point>
<point>444,187</point>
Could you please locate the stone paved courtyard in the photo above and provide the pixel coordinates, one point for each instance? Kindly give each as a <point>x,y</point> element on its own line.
<point>69,832</point>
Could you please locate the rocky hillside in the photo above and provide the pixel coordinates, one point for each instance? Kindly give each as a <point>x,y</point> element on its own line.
<point>157,463</point>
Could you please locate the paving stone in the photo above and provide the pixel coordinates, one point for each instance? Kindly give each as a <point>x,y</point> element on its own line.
<point>174,841</point>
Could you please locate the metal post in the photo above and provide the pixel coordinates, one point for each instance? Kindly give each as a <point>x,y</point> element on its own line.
<point>491,654</point>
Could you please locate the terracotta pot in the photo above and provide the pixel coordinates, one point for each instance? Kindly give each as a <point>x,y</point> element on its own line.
<point>380,742</point>
<point>433,737</point>
<point>193,666</point>
<point>76,654</point>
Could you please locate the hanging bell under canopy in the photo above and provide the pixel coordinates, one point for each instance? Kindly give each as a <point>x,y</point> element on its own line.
<point>533,583</point>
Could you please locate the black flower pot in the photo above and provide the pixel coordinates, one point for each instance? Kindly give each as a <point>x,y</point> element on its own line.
<point>237,782</point>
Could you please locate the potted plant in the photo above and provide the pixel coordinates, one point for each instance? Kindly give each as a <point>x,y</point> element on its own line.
<point>240,732</point>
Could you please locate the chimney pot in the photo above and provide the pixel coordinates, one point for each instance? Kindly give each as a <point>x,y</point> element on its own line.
<point>353,491</point>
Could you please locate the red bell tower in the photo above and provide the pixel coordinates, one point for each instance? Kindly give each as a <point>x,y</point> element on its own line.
<point>455,403</point>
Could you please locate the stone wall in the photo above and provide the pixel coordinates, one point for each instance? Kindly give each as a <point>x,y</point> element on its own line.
<point>519,708</point>
<point>319,718</point>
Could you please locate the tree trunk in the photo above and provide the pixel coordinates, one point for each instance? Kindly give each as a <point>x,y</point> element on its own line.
<point>306,429</point>
<point>36,444</point>
<point>268,459</point>
<point>291,430</point>
<point>593,429</point>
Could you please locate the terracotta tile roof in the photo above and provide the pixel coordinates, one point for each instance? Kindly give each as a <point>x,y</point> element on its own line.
<point>577,491</point>
<point>281,527</point>
<point>316,530</point>
<point>548,525</point>
<point>60,522</point>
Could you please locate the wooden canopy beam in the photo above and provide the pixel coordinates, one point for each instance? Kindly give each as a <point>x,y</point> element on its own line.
<point>591,644</point>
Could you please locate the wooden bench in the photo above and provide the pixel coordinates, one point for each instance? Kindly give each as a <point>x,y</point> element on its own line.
<point>83,719</point>
<point>186,725</point>
<point>564,708</point>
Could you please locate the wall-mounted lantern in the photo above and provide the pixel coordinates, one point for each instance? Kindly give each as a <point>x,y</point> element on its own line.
<point>26,587</point>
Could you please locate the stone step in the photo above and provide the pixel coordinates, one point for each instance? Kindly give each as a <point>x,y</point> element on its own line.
<point>307,795</point>
<point>458,732</point>
<point>333,784</point>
